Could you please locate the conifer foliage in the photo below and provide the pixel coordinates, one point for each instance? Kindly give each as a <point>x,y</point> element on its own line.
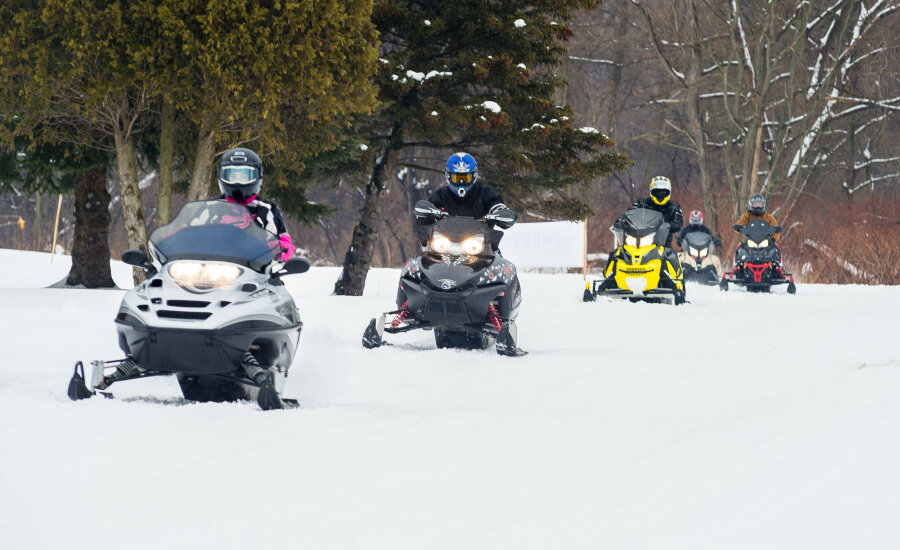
<point>475,75</point>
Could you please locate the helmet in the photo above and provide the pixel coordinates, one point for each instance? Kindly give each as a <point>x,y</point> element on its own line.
<point>757,204</point>
<point>461,173</point>
<point>696,217</point>
<point>660,190</point>
<point>240,174</point>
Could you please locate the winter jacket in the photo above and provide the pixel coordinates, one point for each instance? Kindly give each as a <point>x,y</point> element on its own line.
<point>690,229</point>
<point>267,215</point>
<point>748,217</point>
<point>671,212</point>
<point>480,201</point>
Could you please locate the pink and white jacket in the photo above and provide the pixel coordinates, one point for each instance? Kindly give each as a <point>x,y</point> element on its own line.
<point>267,215</point>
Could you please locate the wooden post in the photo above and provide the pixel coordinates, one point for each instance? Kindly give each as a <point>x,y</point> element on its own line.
<point>55,228</point>
<point>584,250</point>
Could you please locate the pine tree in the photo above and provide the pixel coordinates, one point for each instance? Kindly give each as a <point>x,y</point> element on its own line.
<point>474,75</point>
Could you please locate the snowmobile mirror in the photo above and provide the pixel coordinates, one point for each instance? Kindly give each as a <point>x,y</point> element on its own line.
<point>136,258</point>
<point>294,265</point>
<point>738,227</point>
<point>776,228</point>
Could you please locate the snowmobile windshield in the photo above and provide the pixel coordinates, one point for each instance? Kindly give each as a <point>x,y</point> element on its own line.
<point>639,222</point>
<point>698,239</point>
<point>758,231</point>
<point>461,236</point>
<point>215,230</point>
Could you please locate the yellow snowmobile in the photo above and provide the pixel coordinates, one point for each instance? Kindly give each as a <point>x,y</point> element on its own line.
<point>641,268</point>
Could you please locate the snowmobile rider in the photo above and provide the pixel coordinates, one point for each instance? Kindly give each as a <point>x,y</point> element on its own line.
<point>757,211</point>
<point>462,197</point>
<point>660,199</point>
<point>240,179</point>
<point>695,223</point>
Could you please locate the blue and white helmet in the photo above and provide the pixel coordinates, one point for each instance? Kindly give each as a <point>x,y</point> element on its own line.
<point>461,173</point>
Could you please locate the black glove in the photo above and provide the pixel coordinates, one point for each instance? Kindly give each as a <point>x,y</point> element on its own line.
<point>503,217</point>
<point>425,211</point>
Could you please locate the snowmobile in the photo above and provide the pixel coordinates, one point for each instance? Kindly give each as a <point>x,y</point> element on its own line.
<point>697,258</point>
<point>641,268</point>
<point>213,311</point>
<point>757,262</point>
<point>457,287</point>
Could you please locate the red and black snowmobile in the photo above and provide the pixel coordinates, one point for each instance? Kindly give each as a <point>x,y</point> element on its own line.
<point>757,261</point>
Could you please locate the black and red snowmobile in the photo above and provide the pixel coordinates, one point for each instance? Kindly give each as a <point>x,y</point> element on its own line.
<point>757,261</point>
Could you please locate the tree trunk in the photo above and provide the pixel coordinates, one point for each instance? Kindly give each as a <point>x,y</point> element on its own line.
<point>365,235</point>
<point>132,206</point>
<point>90,250</point>
<point>166,162</point>
<point>203,163</point>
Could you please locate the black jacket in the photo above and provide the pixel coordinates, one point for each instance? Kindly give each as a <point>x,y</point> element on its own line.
<point>480,200</point>
<point>671,212</point>
<point>690,229</point>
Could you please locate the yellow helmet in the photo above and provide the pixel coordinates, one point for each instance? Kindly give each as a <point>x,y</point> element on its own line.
<point>660,190</point>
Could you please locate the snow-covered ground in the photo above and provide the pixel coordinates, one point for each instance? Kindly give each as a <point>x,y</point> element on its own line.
<point>735,422</point>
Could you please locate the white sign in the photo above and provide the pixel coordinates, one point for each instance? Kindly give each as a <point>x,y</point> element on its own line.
<point>547,244</point>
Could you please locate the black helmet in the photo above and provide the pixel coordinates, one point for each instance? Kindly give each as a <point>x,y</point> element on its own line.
<point>757,204</point>
<point>240,174</point>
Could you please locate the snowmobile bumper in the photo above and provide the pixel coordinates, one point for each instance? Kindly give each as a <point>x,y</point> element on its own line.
<point>207,351</point>
<point>454,309</point>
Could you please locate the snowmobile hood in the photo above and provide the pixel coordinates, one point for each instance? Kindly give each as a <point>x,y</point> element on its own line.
<point>215,230</point>
<point>448,276</point>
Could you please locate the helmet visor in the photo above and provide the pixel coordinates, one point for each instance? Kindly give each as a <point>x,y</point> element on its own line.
<point>238,174</point>
<point>660,194</point>
<point>461,178</point>
<point>758,205</point>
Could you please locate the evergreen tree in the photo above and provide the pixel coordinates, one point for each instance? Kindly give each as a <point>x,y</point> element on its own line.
<point>474,75</point>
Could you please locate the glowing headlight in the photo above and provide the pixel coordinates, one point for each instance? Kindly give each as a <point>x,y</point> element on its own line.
<point>694,251</point>
<point>473,245</point>
<point>203,274</point>
<point>647,240</point>
<point>440,243</point>
<point>631,241</point>
<point>752,244</point>
<point>704,252</point>
<point>764,244</point>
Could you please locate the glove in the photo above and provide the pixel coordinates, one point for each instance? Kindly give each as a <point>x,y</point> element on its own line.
<point>424,210</point>
<point>503,217</point>
<point>287,247</point>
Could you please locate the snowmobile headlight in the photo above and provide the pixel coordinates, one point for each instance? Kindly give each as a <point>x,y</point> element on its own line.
<point>646,240</point>
<point>764,244</point>
<point>704,252</point>
<point>694,251</point>
<point>631,241</point>
<point>201,274</point>
<point>440,243</point>
<point>473,245</point>
<point>752,244</point>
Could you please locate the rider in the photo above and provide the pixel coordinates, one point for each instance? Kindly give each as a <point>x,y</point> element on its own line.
<point>462,197</point>
<point>660,199</point>
<point>695,223</point>
<point>240,179</point>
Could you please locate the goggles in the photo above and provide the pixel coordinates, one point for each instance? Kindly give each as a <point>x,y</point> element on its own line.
<point>238,174</point>
<point>461,178</point>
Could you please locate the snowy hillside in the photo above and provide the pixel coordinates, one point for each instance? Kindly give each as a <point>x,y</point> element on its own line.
<point>737,421</point>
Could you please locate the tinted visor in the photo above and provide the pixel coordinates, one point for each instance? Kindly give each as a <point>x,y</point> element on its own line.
<point>660,194</point>
<point>461,178</point>
<point>238,174</point>
<point>758,205</point>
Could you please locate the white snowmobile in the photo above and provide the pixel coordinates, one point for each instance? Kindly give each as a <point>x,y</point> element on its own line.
<point>213,311</point>
<point>698,258</point>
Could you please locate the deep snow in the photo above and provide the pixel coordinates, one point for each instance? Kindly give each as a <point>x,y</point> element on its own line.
<point>736,421</point>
